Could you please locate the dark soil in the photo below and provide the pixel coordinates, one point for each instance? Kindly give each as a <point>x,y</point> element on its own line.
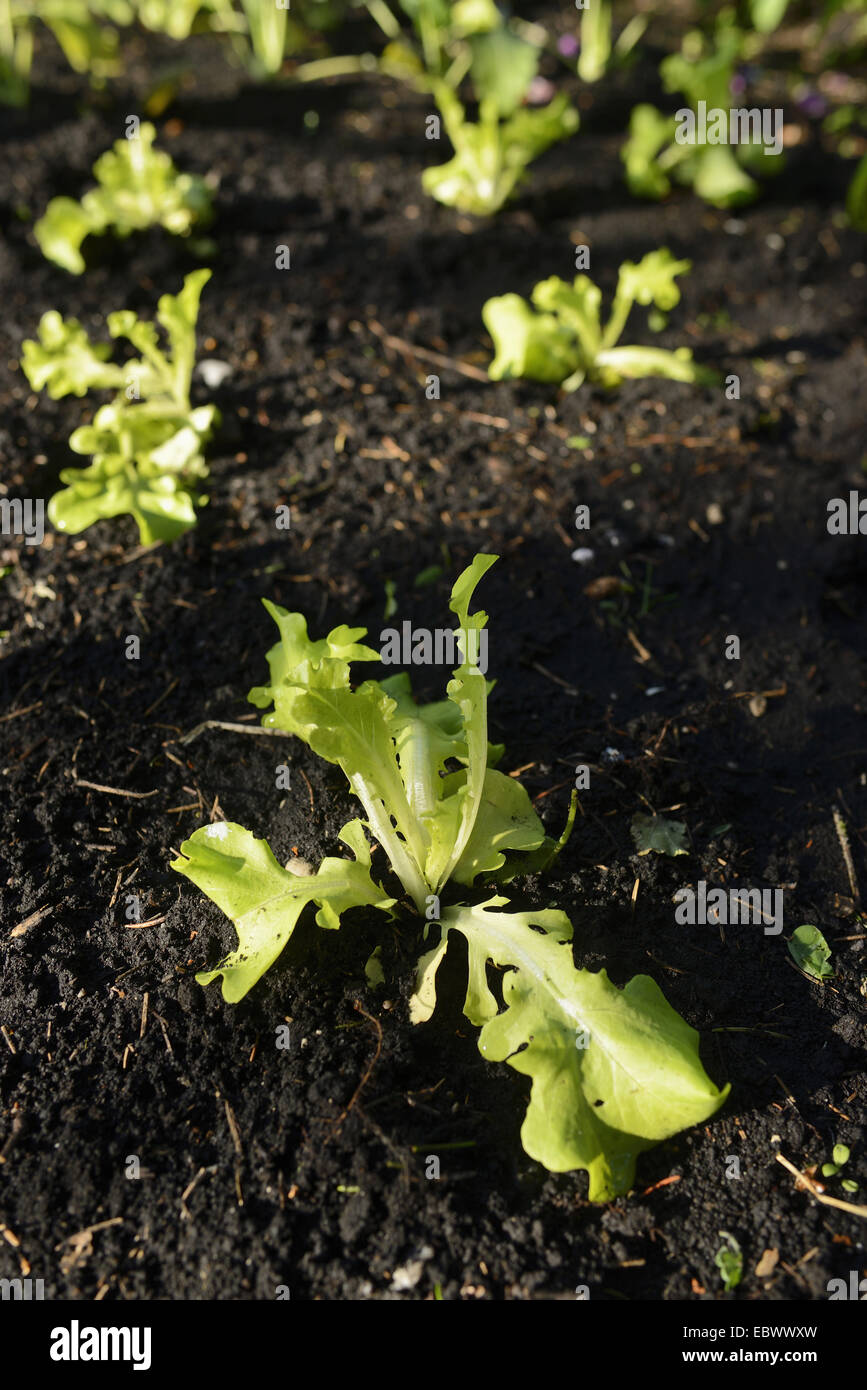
<point>254,1172</point>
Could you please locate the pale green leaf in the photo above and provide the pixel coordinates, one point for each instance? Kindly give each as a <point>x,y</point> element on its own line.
<point>638,1079</point>
<point>811,952</point>
<point>659,835</point>
<point>649,134</point>
<point>505,821</point>
<point>503,66</point>
<point>240,874</point>
<point>65,361</point>
<point>527,344</point>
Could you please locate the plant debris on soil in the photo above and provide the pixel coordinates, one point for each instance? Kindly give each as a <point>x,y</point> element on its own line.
<point>307,1165</point>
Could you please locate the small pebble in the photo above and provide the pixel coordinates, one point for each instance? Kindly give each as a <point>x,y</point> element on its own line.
<point>213,372</point>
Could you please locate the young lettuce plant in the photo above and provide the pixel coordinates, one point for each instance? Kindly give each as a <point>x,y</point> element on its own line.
<point>491,154</point>
<point>613,1070</point>
<point>653,155</point>
<point>562,340</point>
<point>147,443</point>
<point>137,187</point>
<point>82,28</point>
<point>178,18</point>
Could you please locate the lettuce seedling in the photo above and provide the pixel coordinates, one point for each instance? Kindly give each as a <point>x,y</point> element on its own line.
<point>472,39</point>
<point>178,18</point>
<point>492,154</point>
<point>613,1070</point>
<point>138,187</point>
<point>562,340</point>
<point>716,172</point>
<point>147,443</point>
<point>82,29</point>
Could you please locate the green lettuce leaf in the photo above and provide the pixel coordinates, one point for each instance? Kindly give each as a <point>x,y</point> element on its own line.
<point>595,40</point>
<point>534,346</point>
<point>562,339</point>
<point>491,155</point>
<point>147,444</point>
<point>650,132</point>
<point>138,187</point>
<point>613,1071</point>
<point>652,280</point>
<point>144,465</point>
<point>618,363</point>
<point>65,362</point>
<point>503,66</point>
<point>505,820</point>
<point>391,751</point>
<point>240,874</point>
<point>719,179</point>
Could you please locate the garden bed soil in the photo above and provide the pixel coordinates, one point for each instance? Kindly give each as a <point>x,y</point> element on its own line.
<point>262,1167</point>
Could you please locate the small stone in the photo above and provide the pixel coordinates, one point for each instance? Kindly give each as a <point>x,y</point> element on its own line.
<point>213,372</point>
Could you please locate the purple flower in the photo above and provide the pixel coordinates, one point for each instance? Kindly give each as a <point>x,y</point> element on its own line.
<point>738,84</point>
<point>567,46</point>
<point>812,103</point>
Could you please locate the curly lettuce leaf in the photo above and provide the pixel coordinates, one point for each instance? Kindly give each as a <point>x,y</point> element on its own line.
<point>312,699</point>
<point>613,1071</point>
<point>718,178</point>
<point>147,444</point>
<point>577,306</point>
<point>528,345</point>
<point>652,280</point>
<point>112,486</point>
<point>434,824</point>
<point>391,751</point>
<point>137,187</point>
<point>703,73</point>
<point>563,341</point>
<point>144,466</point>
<point>650,132</point>
<point>240,874</point>
<point>64,360</point>
<point>491,155</point>
<point>61,231</point>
